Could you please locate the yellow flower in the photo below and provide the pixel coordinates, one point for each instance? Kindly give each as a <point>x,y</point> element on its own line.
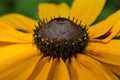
<point>20,58</point>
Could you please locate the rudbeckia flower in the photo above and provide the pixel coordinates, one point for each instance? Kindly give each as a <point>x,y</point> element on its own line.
<point>65,45</point>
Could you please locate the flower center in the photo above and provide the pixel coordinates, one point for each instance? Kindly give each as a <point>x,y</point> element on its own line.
<point>61,37</point>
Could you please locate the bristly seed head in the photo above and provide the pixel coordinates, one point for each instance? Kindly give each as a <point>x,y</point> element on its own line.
<point>60,37</point>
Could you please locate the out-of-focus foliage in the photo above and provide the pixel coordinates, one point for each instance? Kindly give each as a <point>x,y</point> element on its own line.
<point>110,7</point>
<point>30,7</point>
<point>25,7</point>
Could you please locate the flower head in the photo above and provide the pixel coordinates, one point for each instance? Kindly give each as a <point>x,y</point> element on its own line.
<point>64,46</point>
<point>61,38</point>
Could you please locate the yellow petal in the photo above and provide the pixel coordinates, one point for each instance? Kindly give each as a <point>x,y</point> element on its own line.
<point>43,75</point>
<point>113,32</point>
<point>104,26</point>
<point>86,11</point>
<point>14,54</point>
<point>17,70</point>
<point>114,68</point>
<point>52,69</point>
<point>60,71</point>
<point>41,66</point>
<point>48,10</point>
<point>12,35</point>
<point>77,71</point>
<point>95,68</point>
<point>5,25</point>
<point>105,52</point>
<point>19,21</point>
<point>118,24</point>
<point>63,10</point>
<point>26,73</point>
<point>72,75</point>
<point>2,44</point>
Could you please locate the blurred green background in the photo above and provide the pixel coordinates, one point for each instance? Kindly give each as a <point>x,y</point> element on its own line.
<point>30,7</point>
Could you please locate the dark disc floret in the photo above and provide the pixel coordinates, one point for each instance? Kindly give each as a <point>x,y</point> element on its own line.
<point>60,37</point>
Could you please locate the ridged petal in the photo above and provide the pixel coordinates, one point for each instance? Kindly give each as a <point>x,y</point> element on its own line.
<point>60,71</point>
<point>107,25</point>
<point>26,73</point>
<point>77,71</point>
<point>105,52</point>
<point>48,10</point>
<point>118,24</point>
<point>41,66</point>
<point>12,35</point>
<point>86,11</point>
<point>43,75</point>
<point>3,44</point>
<point>95,68</point>
<point>113,68</point>
<point>5,25</point>
<point>15,54</point>
<point>19,21</point>
<point>14,72</point>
